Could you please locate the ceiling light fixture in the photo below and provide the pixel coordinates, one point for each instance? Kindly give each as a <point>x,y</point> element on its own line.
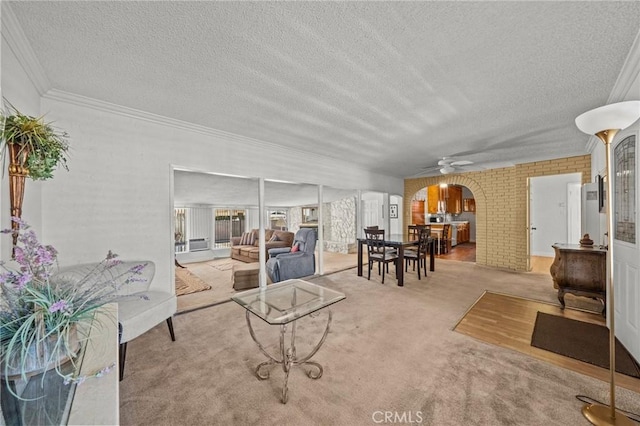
<point>605,122</point>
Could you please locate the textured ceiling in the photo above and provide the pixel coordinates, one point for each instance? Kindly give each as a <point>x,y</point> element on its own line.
<point>393,86</point>
<point>218,190</point>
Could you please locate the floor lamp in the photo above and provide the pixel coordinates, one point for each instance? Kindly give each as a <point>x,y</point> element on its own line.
<point>605,122</point>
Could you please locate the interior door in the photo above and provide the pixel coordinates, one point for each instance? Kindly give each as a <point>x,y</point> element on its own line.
<point>370,213</point>
<point>550,204</point>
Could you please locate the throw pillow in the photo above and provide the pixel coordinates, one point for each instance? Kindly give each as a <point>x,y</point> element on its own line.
<point>295,248</point>
<point>274,237</point>
<point>246,239</point>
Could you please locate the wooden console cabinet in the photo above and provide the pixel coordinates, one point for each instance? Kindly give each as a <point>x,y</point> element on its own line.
<point>580,271</point>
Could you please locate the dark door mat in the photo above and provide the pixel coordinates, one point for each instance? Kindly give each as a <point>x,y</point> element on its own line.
<point>582,341</point>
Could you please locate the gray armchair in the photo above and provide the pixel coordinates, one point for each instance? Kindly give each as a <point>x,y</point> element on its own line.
<point>283,264</point>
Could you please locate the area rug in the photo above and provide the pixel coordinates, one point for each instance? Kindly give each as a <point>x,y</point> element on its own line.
<point>187,283</point>
<point>222,265</point>
<point>582,341</point>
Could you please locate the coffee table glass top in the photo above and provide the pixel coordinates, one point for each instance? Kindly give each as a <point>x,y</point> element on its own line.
<point>286,301</point>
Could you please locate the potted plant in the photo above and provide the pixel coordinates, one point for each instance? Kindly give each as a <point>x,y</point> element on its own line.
<point>35,149</point>
<point>40,312</point>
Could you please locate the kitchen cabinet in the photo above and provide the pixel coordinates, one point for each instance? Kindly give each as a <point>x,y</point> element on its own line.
<point>448,199</point>
<point>463,232</point>
<point>417,212</point>
<point>469,205</point>
<point>454,202</point>
<point>433,194</point>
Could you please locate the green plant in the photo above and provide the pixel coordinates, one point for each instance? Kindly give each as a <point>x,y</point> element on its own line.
<point>39,311</point>
<point>41,148</point>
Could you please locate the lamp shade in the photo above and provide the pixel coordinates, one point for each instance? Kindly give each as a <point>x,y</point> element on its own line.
<point>447,169</point>
<point>616,116</point>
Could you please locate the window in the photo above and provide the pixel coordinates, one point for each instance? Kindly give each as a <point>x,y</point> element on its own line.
<point>228,223</point>
<point>624,169</point>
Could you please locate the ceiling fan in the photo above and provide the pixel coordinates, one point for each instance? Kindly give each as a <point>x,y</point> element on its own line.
<point>448,165</point>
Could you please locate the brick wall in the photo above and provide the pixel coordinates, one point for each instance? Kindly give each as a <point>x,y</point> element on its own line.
<point>502,238</point>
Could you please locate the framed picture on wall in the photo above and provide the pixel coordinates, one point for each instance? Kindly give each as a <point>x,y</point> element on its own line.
<point>393,211</point>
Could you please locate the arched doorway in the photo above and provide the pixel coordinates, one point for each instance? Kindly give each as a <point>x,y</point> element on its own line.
<point>449,207</point>
<point>414,186</point>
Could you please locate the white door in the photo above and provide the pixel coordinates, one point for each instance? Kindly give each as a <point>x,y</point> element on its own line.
<point>574,212</point>
<point>626,254</point>
<point>370,211</point>
<point>548,212</point>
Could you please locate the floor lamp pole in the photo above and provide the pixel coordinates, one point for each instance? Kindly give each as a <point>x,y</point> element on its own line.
<point>612,118</point>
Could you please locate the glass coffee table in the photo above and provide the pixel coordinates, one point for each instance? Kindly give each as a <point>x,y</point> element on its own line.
<point>280,304</point>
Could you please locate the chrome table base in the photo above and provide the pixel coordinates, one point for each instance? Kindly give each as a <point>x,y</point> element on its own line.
<point>287,356</point>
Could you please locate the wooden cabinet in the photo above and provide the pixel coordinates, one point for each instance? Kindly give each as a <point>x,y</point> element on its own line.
<point>463,234</point>
<point>448,199</point>
<point>454,200</point>
<point>580,271</point>
<point>417,212</point>
<point>433,194</point>
<point>469,205</point>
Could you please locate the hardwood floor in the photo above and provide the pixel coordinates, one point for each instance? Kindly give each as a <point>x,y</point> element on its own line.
<point>465,252</point>
<point>508,321</point>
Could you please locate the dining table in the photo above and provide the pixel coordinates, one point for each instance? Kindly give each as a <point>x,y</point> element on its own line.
<point>399,242</point>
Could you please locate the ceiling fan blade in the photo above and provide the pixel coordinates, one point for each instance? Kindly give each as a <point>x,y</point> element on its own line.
<point>461,163</point>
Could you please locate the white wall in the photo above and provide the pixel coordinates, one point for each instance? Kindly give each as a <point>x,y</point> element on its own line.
<point>20,91</point>
<point>396,223</point>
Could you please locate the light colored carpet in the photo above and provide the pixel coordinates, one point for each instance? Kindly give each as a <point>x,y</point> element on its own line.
<point>187,283</point>
<point>390,349</point>
<point>217,273</point>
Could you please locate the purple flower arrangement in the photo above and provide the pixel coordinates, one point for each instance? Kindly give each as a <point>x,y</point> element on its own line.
<point>37,307</point>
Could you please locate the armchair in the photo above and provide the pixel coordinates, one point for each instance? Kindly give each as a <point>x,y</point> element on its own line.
<point>296,261</point>
<point>140,308</point>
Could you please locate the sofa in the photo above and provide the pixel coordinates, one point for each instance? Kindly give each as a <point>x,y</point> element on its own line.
<point>245,248</point>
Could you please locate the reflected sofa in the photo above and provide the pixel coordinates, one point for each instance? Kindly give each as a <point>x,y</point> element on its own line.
<point>251,252</point>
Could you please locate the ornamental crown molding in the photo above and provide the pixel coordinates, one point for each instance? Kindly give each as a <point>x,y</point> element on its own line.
<point>98,105</point>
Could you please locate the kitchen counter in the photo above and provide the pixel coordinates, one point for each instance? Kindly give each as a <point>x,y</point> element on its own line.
<point>455,224</point>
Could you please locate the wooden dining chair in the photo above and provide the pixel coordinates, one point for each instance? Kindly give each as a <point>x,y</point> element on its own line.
<point>413,232</point>
<point>445,239</point>
<point>378,252</point>
<point>420,254</point>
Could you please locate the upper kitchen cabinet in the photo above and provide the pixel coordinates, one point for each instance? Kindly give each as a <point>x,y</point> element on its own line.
<point>444,199</point>
<point>433,194</point>
<point>417,212</point>
<point>469,205</point>
<point>454,202</point>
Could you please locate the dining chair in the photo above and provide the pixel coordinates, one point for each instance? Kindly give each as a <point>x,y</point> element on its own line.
<point>445,239</point>
<point>420,254</point>
<point>413,232</point>
<point>377,252</point>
